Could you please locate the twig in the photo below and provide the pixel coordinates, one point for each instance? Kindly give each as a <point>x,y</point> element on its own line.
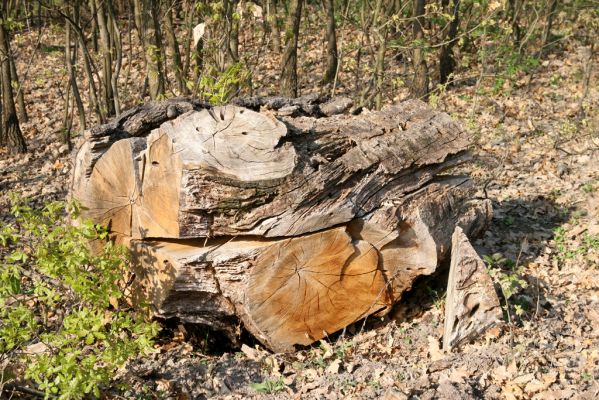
<point>27,390</point>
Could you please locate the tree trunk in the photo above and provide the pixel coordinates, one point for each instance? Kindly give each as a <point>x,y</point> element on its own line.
<point>146,18</point>
<point>106,84</point>
<point>294,227</point>
<point>70,64</point>
<point>331,66</point>
<point>20,97</point>
<point>446,61</point>
<point>11,134</point>
<point>419,87</point>
<point>272,21</point>
<point>289,85</point>
<point>549,24</point>
<point>117,47</point>
<point>173,44</point>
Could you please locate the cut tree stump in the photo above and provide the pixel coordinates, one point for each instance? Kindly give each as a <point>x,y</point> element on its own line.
<point>471,305</point>
<point>292,227</point>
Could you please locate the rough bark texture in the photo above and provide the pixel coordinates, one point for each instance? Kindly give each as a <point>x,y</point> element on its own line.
<point>10,134</point>
<point>419,88</point>
<point>471,305</point>
<point>293,226</point>
<point>289,85</point>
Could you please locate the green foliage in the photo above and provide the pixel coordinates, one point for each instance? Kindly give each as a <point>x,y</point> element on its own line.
<point>568,251</point>
<point>218,88</point>
<point>326,353</point>
<point>509,276</point>
<point>54,291</point>
<point>269,386</point>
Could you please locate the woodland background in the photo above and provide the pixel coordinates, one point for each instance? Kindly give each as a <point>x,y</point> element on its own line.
<point>520,75</point>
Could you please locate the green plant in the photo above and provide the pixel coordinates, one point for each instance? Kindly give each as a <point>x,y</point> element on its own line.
<point>438,298</point>
<point>566,251</point>
<point>509,276</point>
<point>218,88</point>
<point>589,187</point>
<point>57,294</point>
<point>324,354</point>
<point>269,386</point>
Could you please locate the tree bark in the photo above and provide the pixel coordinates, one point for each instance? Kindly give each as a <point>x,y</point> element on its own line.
<point>21,108</point>
<point>332,59</point>
<point>146,17</point>
<point>106,84</point>
<point>289,84</point>
<point>70,63</point>
<point>419,87</point>
<point>174,48</point>
<point>272,21</point>
<point>549,24</point>
<point>11,134</point>
<point>447,63</point>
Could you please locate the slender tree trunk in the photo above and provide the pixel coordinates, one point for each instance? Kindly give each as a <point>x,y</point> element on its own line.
<point>447,63</point>
<point>171,39</point>
<point>89,71</point>
<point>234,36</point>
<point>94,13</point>
<point>189,25</point>
<point>107,92</point>
<point>332,59</point>
<point>229,47</point>
<point>289,85</point>
<point>146,17</point>
<point>381,23</point>
<point>549,24</point>
<point>419,87</point>
<point>116,45</point>
<point>514,15</point>
<point>20,98</point>
<point>70,62</point>
<point>11,134</point>
<point>273,20</point>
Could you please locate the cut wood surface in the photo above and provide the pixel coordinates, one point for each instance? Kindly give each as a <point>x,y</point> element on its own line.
<point>294,226</point>
<point>471,305</point>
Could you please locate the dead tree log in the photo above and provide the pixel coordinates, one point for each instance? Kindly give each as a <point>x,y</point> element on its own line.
<point>294,227</point>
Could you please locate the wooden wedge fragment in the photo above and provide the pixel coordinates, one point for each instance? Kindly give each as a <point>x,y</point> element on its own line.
<point>471,305</point>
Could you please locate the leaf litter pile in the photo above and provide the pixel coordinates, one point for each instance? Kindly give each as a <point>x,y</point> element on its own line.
<point>536,157</point>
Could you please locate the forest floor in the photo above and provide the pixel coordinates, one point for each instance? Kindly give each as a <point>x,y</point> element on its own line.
<point>535,156</point>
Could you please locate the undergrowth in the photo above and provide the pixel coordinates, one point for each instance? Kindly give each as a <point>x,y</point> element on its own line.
<point>64,326</point>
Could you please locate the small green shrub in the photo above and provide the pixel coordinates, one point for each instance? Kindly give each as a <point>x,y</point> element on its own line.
<point>568,251</point>
<point>509,276</point>
<point>219,87</point>
<point>269,386</point>
<point>56,293</point>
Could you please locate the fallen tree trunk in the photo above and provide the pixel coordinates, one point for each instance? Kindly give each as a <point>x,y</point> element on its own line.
<point>294,226</point>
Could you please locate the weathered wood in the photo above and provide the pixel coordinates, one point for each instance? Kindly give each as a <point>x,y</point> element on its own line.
<point>135,122</point>
<point>207,165</point>
<point>113,187</point>
<point>293,227</point>
<point>226,173</point>
<point>305,288</point>
<point>471,305</point>
<point>286,292</point>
